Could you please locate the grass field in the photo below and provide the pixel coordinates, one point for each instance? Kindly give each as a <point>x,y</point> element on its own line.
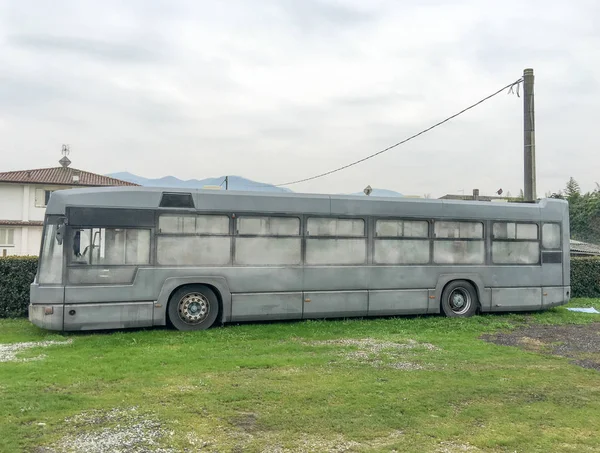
<point>412,384</point>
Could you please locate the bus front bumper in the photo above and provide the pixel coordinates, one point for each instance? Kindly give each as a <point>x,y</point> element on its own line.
<point>46,316</point>
<point>46,306</point>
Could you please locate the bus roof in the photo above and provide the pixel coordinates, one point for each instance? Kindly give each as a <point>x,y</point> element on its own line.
<point>297,203</point>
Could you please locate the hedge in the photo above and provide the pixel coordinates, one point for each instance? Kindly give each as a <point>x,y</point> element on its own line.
<point>17,273</point>
<point>585,277</point>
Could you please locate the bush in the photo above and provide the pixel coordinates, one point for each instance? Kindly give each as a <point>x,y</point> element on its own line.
<point>16,274</point>
<point>585,277</point>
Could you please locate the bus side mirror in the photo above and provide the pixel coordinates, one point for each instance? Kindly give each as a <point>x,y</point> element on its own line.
<point>60,233</point>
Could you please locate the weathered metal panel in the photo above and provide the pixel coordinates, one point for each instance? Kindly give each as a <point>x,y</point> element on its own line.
<point>118,315</point>
<point>46,294</point>
<point>110,275</point>
<point>553,296</point>
<point>335,304</point>
<point>46,316</point>
<point>390,302</point>
<point>402,277</point>
<point>237,202</point>
<point>266,306</point>
<point>552,273</point>
<point>336,278</point>
<point>516,299</point>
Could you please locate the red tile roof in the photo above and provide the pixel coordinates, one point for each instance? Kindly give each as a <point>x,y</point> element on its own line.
<point>20,223</point>
<point>60,176</point>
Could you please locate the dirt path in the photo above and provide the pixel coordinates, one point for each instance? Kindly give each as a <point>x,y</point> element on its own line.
<point>581,343</point>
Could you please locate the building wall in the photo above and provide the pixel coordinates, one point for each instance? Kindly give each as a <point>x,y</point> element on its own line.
<point>37,213</point>
<point>11,201</point>
<point>19,202</point>
<point>27,241</point>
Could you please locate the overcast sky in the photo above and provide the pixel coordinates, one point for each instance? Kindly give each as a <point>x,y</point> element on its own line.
<point>278,90</point>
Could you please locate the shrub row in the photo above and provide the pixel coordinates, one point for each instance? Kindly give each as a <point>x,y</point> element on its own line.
<point>585,277</point>
<point>17,273</point>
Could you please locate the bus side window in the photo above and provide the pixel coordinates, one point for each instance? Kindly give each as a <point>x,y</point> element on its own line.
<point>515,243</point>
<point>551,236</point>
<point>81,247</point>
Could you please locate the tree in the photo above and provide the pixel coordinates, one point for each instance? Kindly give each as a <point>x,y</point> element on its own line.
<point>521,194</point>
<point>572,190</point>
<point>584,211</point>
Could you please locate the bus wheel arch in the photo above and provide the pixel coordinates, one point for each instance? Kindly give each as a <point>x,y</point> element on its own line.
<point>460,298</point>
<point>194,306</point>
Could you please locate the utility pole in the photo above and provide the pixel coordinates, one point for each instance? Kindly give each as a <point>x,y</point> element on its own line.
<point>529,137</point>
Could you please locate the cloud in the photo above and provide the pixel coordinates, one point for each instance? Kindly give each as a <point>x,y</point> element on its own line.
<point>88,48</point>
<point>281,90</point>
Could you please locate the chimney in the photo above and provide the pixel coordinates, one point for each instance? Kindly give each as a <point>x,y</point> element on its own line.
<point>476,194</point>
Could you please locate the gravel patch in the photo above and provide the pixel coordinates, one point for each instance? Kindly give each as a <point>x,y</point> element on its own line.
<point>8,352</point>
<point>128,431</point>
<point>455,447</point>
<point>580,343</point>
<point>131,431</point>
<point>379,353</point>
<point>337,444</point>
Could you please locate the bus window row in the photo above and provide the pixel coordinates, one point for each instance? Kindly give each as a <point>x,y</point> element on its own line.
<point>206,240</point>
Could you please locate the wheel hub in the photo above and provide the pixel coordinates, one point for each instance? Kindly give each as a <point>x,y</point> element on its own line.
<point>193,308</point>
<point>460,301</point>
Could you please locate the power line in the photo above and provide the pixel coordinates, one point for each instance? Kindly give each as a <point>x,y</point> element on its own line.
<point>510,85</point>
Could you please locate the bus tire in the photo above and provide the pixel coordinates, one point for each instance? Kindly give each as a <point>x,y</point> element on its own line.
<point>459,299</point>
<point>193,307</point>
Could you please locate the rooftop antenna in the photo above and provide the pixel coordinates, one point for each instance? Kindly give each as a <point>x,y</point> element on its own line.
<point>65,161</point>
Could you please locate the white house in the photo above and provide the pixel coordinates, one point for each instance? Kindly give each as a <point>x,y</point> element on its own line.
<point>23,198</point>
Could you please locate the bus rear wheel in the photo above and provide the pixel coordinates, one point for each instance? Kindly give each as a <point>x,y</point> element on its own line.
<point>459,299</point>
<point>193,307</point>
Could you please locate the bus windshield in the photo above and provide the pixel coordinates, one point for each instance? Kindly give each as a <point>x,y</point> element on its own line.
<point>50,268</point>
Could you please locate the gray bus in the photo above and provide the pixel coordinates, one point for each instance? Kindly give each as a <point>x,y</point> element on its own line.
<point>137,257</point>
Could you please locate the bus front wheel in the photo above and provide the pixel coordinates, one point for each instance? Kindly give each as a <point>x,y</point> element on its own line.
<point>193,307</point>
<point>459,299</point>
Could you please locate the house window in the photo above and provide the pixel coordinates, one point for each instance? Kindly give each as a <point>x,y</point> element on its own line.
<point>42,197</point>
<point>7,236</point>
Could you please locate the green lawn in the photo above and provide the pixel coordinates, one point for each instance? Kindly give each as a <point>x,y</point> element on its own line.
<point>413,384</point>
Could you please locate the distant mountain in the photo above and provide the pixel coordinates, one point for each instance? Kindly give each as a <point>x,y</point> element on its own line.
<point>380,193</point>
<point>235,182</point>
